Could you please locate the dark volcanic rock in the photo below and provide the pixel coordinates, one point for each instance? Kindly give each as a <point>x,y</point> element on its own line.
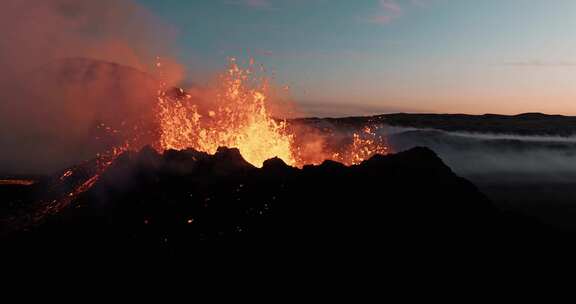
<point>173,203</point>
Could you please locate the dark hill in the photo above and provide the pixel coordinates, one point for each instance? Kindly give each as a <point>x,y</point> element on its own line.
<point>179,202</point>
<point>521,124</point>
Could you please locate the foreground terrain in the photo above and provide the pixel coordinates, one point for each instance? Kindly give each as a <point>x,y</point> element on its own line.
<point>147,203</point>
<point>524,163</point>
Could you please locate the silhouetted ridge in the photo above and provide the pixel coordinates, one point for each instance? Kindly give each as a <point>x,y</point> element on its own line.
<point>521,124</point>
<point>169,203</point>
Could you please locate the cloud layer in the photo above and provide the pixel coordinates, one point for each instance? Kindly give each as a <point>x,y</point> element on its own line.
<point>387,11</point>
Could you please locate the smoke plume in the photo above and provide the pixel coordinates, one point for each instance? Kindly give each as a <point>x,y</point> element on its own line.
<point>69,67</point>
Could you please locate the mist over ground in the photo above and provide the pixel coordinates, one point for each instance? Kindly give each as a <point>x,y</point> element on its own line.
<point>534,175</point>
<point>532,171</point>
<point>501,156</point>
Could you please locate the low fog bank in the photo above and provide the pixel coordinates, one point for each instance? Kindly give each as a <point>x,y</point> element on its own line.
<point>494,157</point>
<point>479,156</point>
<point>533,175</point>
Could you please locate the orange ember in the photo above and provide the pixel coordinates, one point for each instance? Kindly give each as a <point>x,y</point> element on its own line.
<point>17,182</point>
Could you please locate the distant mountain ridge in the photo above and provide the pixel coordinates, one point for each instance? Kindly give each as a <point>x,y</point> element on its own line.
<point>520,124</point>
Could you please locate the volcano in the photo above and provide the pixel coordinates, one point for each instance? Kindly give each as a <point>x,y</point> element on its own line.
<point>175,203</point>
<point>167,186</point>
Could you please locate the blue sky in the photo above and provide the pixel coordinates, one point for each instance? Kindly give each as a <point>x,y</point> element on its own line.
<point>364,56</point>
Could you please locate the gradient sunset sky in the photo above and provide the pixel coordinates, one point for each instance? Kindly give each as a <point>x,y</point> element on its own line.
<point>372,56</point>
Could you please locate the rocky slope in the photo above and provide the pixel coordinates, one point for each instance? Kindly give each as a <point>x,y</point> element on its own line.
<point>178,202</point>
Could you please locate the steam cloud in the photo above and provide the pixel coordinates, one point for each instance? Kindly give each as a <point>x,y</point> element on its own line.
<point>68,65</point>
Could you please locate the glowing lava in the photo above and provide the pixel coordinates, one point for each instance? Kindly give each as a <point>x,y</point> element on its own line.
<point>239,119</point>
<point>364,145</point>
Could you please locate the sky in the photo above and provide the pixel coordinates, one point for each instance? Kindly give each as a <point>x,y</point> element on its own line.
<point>374,56</point>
